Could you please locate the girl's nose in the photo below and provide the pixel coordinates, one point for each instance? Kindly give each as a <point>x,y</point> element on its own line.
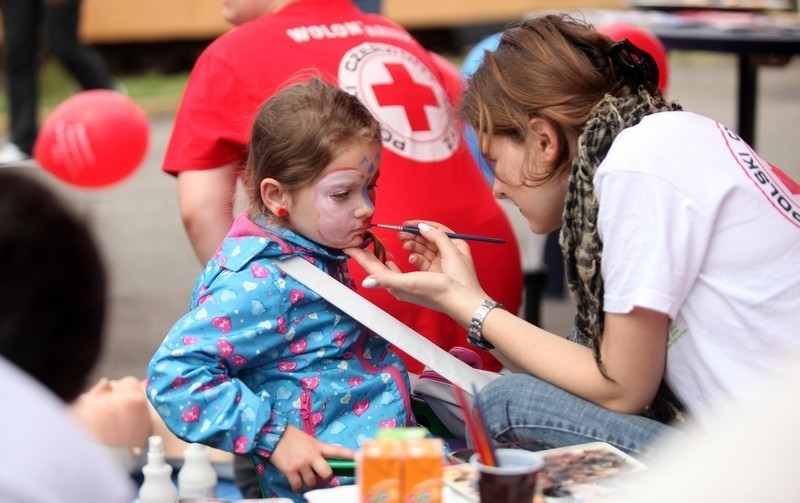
<point>365,209</point>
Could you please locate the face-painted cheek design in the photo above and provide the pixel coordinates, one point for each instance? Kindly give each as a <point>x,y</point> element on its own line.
<point>369,199</point>
<point>337,222</point>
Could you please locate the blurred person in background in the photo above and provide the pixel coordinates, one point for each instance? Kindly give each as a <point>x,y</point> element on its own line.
<point>52,310</point>
<point>750,455</point>
<point>24,22</point>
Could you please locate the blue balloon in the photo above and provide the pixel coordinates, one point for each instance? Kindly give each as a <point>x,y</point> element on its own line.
<point>474,57</point>
<point>471,63</point>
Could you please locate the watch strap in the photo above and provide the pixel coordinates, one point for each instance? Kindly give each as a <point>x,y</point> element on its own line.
<point>475,330</point>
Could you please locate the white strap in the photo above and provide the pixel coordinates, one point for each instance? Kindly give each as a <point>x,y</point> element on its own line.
<point>385,325</point>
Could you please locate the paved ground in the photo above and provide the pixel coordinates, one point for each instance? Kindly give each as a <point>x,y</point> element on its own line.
<point>153,269</point>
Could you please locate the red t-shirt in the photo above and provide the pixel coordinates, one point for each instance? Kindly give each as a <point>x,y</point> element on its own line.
<point>426,172</point>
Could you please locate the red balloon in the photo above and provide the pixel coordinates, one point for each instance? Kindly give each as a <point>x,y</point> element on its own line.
<point>643,39</point>
<point>93,139</point>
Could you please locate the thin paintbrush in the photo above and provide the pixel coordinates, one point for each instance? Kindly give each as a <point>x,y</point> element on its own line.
<point>454,235</point>
<point>480,424</point>
<point>482,443</point>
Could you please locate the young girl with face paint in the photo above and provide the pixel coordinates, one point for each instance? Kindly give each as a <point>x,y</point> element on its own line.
<point>261,366</point>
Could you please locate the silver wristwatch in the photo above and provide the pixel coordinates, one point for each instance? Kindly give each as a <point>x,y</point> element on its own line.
<point>475,331</point>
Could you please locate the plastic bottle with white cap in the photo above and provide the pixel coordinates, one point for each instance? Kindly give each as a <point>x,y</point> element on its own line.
<point>157,486</point>
<point>197,477</point>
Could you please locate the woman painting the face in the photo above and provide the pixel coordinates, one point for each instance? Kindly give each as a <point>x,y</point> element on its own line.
<point>667,272</point>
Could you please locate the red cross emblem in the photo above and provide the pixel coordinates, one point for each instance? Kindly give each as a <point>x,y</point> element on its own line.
<point>406,96</point>
<point>405,92</point>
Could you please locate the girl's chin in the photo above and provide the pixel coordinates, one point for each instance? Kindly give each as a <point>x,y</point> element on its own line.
<point>352,243</point>
<point>355,242</point>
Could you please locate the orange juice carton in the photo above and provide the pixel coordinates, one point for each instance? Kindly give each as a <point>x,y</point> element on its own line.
<point>379,470</point>
<point>422,479</point>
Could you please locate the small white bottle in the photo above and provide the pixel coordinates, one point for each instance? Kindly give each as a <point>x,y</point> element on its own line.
<point>157,486</point>
<point>197,477</point>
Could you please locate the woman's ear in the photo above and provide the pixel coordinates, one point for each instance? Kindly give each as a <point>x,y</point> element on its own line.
<point>544,139</point>
<point>273,195</point>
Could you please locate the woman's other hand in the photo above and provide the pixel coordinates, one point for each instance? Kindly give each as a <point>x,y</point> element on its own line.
<point>446,275</point>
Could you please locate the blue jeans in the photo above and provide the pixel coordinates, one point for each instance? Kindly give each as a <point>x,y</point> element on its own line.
<point>522,407</point>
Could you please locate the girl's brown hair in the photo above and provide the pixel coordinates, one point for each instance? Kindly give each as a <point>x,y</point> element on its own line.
<point>554,67</point>
<point>299,131</point>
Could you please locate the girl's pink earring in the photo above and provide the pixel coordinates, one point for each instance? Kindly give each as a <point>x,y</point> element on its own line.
<point>282,212</point>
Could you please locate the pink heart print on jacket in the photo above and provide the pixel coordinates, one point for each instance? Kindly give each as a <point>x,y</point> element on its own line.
<point>259,271</point>
<point>223,323</point>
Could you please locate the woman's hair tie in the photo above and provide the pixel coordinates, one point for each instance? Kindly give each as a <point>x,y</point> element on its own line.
<point>635,66</point>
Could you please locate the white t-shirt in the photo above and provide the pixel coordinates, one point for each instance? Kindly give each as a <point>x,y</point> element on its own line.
<point>694,224</point>
<point>45,455</point>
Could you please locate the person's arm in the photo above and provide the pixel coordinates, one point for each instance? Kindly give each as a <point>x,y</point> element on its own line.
<point>634,344</point>
<point>191,378</point>
<point>206,198</point>
<point>208,146</point>
<point>633,354</point>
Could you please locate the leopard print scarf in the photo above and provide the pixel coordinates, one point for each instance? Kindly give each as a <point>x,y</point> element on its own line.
<point>579,239</point>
